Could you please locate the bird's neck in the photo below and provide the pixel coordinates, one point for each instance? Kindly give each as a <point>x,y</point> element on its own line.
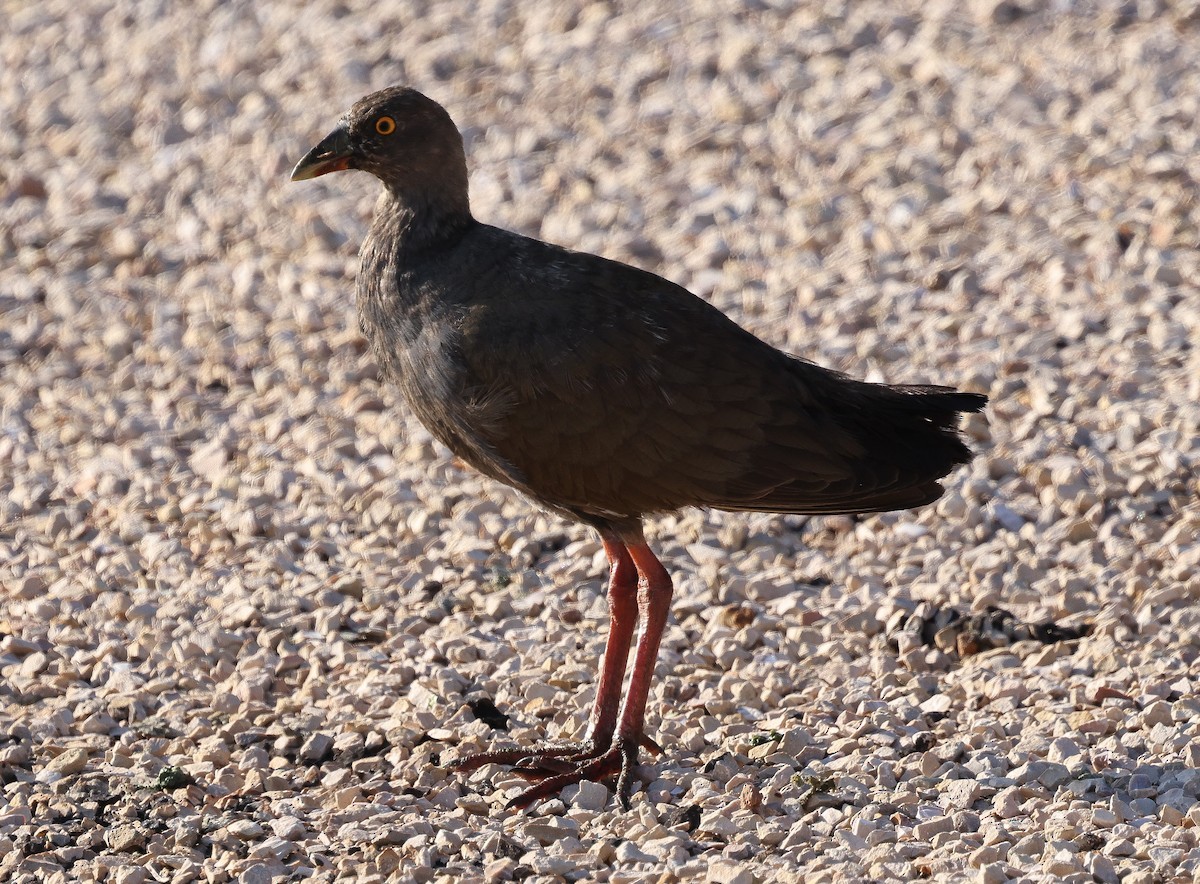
<point>409,233</point>
<point>409,240</point>
<point>416,219</point>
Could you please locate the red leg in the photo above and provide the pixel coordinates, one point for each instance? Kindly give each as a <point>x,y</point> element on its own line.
<point>555,758</point>
<point>654,603</point>
<point>622,618</point>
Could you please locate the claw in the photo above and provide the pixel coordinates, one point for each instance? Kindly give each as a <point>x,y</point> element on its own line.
<point>556,766</point>
<point>648,743</point>
<point>539,767</point>
<point>526,757</point>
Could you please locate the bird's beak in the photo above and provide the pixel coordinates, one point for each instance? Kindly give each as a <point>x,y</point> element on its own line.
<point>331,155</point>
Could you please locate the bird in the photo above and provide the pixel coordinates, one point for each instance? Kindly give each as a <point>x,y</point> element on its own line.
<point>605,394</point>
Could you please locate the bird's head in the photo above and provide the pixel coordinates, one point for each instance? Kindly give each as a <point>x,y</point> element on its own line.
<point>401,137</point>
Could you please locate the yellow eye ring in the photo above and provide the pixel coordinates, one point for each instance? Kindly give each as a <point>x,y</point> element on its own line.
<point>385,125</point>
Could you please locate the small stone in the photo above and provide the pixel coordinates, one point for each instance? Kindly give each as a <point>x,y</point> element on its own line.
<point>854,842</point>
<point>499,870</point>
<point>937,703</point>
<point>703,553</point>
<point>548,864</point>
<point>992,873</point>
<point>288,827</point>
<point>72,761</point>
<point>1158,712</point>
<point>129,875</point>
<point>1031,845</point>
<point>1178,800</point>
<point>1049,773</point>
<point>257,873</point>
<point>717,823</point>
<point>1062,864</point>
<point>749,798</point>
<point>1119,847</point>
<point>1165,857</point>
<point>588,796</point>
<point>1143,807</point>
<point>1010,520</point>
<point>926,830</point>
<point>548,832</point>
<point>473,804</point>
<point>124,244</point>
<point>316,748</point>
<point>123,839</point>
<point>628,852</point>
<point>960,793</point>
<point>1101,868</point>
<point>985,855</point>
<point>1064,749</point>
<point>1142,786</point>
<point>723,872</point>
<point>247,830</point>
<point>1167,274</point>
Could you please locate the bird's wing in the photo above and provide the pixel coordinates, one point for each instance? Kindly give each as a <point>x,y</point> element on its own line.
<point>610,390</point>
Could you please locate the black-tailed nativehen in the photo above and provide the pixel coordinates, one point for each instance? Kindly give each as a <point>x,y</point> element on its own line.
<point>606,394</point>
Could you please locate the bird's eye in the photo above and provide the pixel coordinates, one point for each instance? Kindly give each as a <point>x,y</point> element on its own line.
<point>385,125</point>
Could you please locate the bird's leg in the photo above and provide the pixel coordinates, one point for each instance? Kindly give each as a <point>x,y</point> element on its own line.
<point>622,618</point>
<point>548,759</point>
<point>654,603</point>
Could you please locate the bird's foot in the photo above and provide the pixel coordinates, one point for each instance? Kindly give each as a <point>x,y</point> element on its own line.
<point>558,765</point>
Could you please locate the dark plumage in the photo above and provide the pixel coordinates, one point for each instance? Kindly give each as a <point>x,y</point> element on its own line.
<point>606,393</point>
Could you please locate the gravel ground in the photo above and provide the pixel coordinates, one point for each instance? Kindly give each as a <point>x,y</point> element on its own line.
<point>247,604</point>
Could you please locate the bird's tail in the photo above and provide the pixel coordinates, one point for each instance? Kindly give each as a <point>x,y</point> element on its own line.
<point>912,431</point>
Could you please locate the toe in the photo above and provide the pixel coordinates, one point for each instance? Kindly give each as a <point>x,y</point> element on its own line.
<point>628,752</point>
